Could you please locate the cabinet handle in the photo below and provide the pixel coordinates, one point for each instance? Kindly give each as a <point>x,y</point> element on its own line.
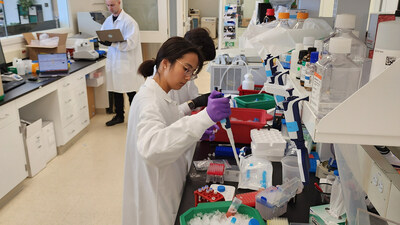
<point>84,122</point>
<point>70,116</point>
<point>39,146</point>
<point>66,85</point>
<point>68,101</point>
<point>84,107</point>
<point>73,131</point>
<point>82,93</point>
<point>4,116</point>
<point>80,78</point>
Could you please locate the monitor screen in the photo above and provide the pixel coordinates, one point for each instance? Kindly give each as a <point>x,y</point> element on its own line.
<point>3,63</point>
<point>53,62</point>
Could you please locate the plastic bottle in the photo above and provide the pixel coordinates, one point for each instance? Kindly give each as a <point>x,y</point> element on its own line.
<point>248,82</point>
<point>300,62</point>
<point>295,57</point>
<point>304,64</point>
<point>344,27</point>
<point>310,70</point>
<point>308,42</point>
<point>301,16</point>
<point>337,78</point>
<point>269,16</point>
<point>283,20</point>
<point>387,46</point>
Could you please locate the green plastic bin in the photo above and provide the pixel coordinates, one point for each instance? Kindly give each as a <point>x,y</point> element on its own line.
<point>257,101</point>
<point>222,207</point>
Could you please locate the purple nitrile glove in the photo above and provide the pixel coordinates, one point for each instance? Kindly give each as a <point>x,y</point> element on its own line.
<point>209,134</point>
<point>218,108</point>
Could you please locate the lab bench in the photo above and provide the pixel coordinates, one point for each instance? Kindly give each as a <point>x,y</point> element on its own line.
<point>297,211</point>
<point>62,100</point>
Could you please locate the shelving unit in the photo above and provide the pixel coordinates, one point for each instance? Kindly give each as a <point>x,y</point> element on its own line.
<point>371,116</point>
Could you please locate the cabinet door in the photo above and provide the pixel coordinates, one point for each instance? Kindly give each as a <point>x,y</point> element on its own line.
<point>12,158</point>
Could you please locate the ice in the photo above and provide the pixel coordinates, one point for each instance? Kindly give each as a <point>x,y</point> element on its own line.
<point>218,218</point>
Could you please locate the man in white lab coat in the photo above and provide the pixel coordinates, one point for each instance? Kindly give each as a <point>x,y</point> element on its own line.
<point>123,59</point>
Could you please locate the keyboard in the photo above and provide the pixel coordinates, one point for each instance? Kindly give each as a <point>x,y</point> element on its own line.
<point>12,84</point>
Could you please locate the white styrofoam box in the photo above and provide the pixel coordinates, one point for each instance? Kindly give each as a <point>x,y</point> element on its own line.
<point>267,142</point>
<point>229,192</point>
<point>95,82</point>
<point>232,79</point>
<point>35,147</point>
<point>49,139</point>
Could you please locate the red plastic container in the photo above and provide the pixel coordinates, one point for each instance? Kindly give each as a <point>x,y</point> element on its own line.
<point>257,89</point>
<point>248,199</point>
<point>242,123</point>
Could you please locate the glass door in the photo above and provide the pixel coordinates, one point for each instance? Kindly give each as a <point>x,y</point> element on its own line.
<point>152,17</point>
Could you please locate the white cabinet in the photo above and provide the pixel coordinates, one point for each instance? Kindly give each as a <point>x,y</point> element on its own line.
<point>12,153</point>
<point>35,147</point>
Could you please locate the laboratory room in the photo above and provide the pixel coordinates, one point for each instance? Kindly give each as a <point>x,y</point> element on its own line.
<point>189,112</point>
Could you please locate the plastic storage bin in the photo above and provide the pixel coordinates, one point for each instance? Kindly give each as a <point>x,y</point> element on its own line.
<point>257,101</point>
<point>272,202</point>
<point>242,121</point>
<point>222,207</point>
<point>257,89</point>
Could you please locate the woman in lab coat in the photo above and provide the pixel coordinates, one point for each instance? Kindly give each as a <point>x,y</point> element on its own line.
<point>159,139</point>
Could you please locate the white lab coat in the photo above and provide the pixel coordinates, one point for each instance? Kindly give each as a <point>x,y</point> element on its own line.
<point>124,58</point>
<point>159,142</point>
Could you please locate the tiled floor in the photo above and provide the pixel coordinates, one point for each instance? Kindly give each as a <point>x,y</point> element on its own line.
<point>82,186</point>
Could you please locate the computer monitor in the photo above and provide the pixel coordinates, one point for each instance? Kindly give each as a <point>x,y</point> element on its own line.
<point>3,63</point>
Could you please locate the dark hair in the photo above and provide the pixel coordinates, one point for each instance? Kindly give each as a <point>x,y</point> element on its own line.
<point>172,49</point>
<point>201,38</point>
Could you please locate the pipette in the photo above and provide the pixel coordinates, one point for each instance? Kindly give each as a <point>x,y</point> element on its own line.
<point>226,124</point>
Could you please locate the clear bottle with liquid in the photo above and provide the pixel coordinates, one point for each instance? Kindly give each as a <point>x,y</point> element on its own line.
<point>337,77</point>
<point>310,70</point>
<point>269,16</point>
<point>283,20</point>
<point>301,17</point>
<point>304,64</point>
<point>344,27</point>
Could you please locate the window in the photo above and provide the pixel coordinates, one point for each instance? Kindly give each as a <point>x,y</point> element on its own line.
<point>16,17</point>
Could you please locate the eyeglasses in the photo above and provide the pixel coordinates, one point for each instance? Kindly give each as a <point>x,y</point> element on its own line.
<point>189,72</point>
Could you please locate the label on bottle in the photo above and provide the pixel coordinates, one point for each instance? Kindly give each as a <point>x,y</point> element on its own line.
<point>316,91</point>
<point>308,78</point>
<point>303,70</point>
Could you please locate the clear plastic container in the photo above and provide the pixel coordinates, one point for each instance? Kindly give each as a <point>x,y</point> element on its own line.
<point>290,168</point>
<point>272,202</point>
<point>310,69</point>
<point>301,17</point>
<point>337,78</point>
<point>283,20</point>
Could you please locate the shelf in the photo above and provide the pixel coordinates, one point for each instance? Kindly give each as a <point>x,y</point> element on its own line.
<point>371,116</point>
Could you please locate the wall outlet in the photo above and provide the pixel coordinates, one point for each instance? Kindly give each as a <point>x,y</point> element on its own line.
<point>379,189</point>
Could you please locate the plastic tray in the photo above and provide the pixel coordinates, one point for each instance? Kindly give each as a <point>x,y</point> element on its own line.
<point>222,207</point>
<point>257,89</point>
<point>257,101</point>
<point>241,127</point>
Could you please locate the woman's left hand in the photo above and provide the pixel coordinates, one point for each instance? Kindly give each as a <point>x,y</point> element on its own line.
<point>209,134</point>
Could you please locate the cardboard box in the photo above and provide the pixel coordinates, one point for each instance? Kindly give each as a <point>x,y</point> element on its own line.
<point>34,50</point>
<point>320,216</point>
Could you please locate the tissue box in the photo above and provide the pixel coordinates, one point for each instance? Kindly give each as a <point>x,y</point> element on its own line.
<point>34,50</point>
<point>320,216</point>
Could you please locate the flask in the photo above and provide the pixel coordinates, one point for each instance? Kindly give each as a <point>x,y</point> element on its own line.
<point>248,82</point>
<point>283,20</point>
<point>301,16</point>
<point>304,64</point>
<point>269,16</point>
<point>310,69</point>
<point>337,78</point>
